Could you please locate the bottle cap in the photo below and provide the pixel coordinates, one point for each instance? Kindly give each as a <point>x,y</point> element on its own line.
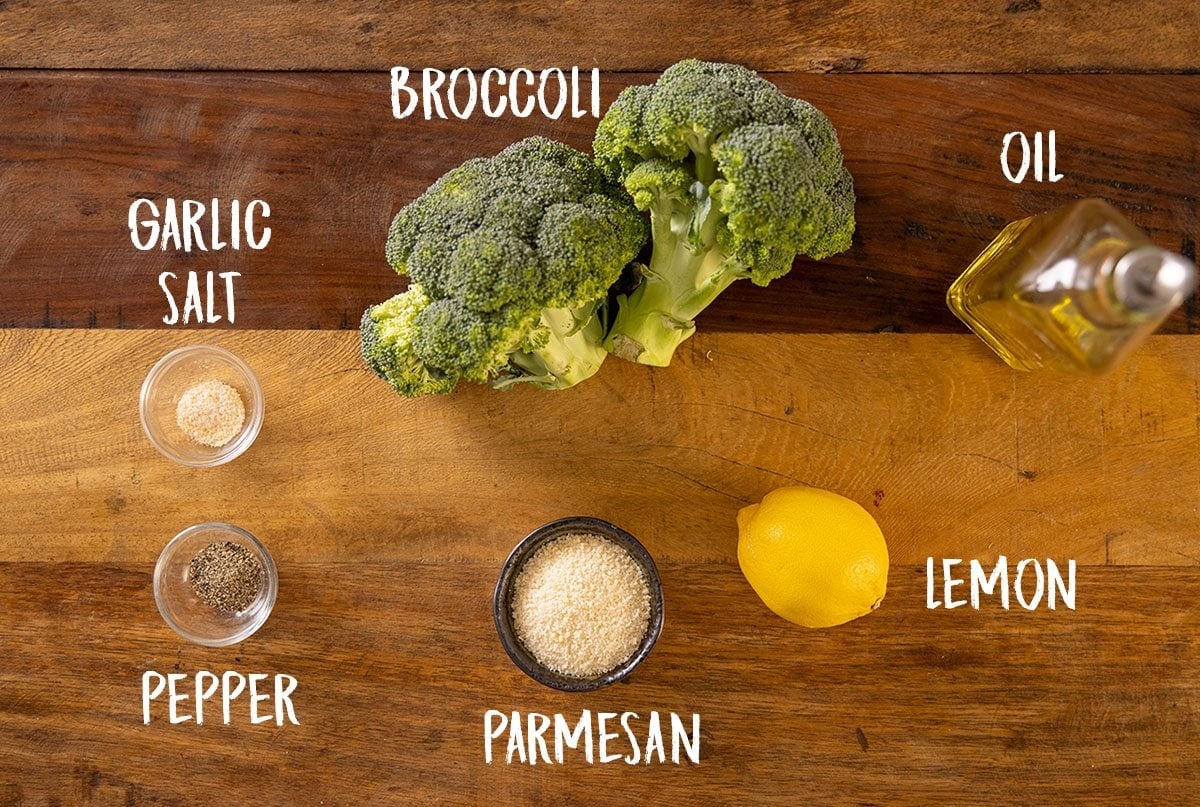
<point>1150,280</point>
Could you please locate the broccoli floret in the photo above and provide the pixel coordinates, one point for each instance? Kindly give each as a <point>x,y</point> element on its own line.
<point>511,258</point>
<point>387,333</point>
<point>739,179</point>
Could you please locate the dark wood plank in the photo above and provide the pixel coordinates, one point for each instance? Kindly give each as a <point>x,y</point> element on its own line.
<point>324,151</point>
<point>397,664</point>
<point>862,35</point>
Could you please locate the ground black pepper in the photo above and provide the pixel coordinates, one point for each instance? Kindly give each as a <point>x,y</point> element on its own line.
<point>227,576</point>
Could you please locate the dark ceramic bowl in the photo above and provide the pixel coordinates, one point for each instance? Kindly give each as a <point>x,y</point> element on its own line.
<point>502,609</point>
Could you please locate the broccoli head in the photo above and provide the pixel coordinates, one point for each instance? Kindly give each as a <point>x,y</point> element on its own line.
<point>739,180</point>
<point>510,259</point>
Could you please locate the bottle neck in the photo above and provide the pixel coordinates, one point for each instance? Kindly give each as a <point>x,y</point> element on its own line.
<point>1144,281</point>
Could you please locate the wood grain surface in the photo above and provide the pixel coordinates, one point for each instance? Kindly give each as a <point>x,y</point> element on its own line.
<point>820,36</point>
<point>955,454</point>
<point>389,520</point>
<point>325,153</point>
<point>397,663</point>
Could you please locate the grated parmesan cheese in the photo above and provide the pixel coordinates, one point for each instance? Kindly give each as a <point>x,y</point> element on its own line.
<point>581,605</point>
<point>210,413</point>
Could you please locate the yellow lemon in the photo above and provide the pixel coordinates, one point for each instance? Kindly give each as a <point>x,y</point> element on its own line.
<point>815,558</point>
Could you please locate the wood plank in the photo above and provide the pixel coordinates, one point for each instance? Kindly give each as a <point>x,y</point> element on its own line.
<point>956,455</point>
<point>324,152</point>
<point>398,662</point>
<point>861,35</point>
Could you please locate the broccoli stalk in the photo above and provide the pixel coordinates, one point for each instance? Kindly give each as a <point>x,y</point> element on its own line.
<point>738,179</point>
<point>687,271</point>
<point>573,350</point>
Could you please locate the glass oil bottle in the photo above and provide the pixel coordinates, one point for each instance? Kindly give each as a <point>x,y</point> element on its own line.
<point>1075,289</point>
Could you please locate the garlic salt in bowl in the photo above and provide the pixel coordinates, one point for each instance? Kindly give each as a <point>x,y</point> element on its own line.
<point>590,568</point>
<point>211,392</point>
<point>215,584</point>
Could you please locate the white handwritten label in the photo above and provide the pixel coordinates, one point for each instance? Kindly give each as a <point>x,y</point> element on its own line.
<point>1029,584</point>
<point>182,225</point>
<point>197,307</point>
<point>496,93</point>
<point>1044,162</point>
<point>599,738</point>
<point>263,702</point>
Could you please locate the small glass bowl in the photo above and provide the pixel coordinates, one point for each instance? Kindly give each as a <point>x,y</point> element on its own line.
<point>502,602</point>
<point>187,614</point>
<point>173,375</point>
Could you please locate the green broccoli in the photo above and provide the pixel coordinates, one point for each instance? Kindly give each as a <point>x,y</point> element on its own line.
<point>387,345</point>
<point>510,259</point>
<point>739,179</point>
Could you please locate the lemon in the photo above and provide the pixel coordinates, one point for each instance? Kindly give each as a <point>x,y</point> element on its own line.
<point>815,558</point>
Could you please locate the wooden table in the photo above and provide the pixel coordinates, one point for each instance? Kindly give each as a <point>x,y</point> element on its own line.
<point>389,518</point>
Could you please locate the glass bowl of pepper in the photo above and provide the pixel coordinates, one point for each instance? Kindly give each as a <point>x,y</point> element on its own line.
<point>215,584</point>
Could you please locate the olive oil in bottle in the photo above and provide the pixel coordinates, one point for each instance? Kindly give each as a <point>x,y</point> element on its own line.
<point>1075,289</point>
